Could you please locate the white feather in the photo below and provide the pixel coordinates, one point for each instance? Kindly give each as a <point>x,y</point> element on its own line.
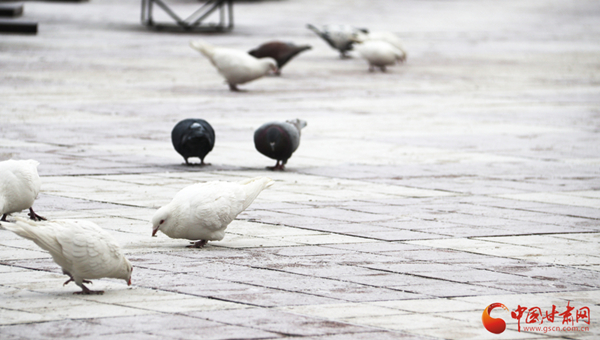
<point>388,37</point>
<point>379,53</point>
<point>202,211</point>
<point>81,248</point>
<point>237,67</point>
<point>19,185</point>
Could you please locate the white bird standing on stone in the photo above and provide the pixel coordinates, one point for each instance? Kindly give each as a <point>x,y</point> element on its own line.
<point>19,187</point>
<point>82,249</point>
<point>388,37</point>
<point>379,54</point>
<point>237,67</point>
<point>202,211</point>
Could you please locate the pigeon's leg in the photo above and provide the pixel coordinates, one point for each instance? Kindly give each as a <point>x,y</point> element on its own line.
<point>198,244</point>
<point>278,166</point>
<point>35,216</point>
<point>382,68</point>
<point>71,279</point>
<point>202,162</point>
<point>3,219</point>
<point>371,68</point>
<point>86,291</point>
<point>233,87</point>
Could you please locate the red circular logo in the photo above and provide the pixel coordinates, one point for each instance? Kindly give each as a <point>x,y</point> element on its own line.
<point>494,325</point>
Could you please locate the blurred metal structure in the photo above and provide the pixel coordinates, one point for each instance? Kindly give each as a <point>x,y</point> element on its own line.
<point>194,21</point>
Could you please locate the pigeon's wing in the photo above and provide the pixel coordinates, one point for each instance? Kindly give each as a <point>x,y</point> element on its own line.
<point>237,67</point>
<point>220,204</point>
<point>90,249</point>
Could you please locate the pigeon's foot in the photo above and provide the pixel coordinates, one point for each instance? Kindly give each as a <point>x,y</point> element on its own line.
<point>278,166</point>
<point>71,280</point>
<point>35,216</point>
<point>234,88</point>
<point>198,244</point>
<point>86,291</point>
<point>3,219</point>
<point>383,69</point>
<point>199,164</point>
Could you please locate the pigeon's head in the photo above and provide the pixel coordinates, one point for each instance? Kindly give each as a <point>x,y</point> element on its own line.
<point>270,64</point>
<point>298,123</point>
<point>159,219</point>
<point>129,272</point>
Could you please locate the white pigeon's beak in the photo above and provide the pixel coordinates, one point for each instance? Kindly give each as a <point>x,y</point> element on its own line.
<point>129,282</point>
<point>155,230</point>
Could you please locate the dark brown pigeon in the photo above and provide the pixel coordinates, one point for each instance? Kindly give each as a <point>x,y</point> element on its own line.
<point>280,51</point>
<point>278,140</point>
<point>193,138</point>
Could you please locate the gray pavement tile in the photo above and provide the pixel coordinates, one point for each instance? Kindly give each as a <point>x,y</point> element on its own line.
<point>446,289</point>
<point>369,335</point>
<point>218,332</point>
<point>525,286</point>
<point>262,296</point>
<point>307,251</point>
<point>151,323</point>
<point>55,329</point>
<point>377,247</point>
<point>281,322</point>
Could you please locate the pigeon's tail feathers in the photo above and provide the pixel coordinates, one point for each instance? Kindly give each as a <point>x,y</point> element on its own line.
<point>37,232</point>
<point>253,187</point>
<point>304,47</point>
<point>314,29</point>
<point>203,47</point>
<point>21,227</point>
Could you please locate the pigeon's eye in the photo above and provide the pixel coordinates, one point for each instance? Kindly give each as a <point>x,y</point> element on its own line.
<point>162,221</point>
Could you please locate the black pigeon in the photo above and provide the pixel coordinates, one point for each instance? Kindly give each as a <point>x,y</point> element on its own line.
<point>280,51</point>
<point>278,140</point>
<point>193,138</point>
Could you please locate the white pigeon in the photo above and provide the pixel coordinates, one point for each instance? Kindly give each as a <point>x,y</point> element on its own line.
<point>339,37</point>
<point>388,37</point>
<point>82,249</point>
<point>19,187</point>
<point>237,67</point>
<point>379,54</point>
<point>202,211</point>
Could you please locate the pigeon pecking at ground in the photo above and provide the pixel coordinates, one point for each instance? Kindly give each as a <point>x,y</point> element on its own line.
<point>203,211</point>
<point>380,54</point>
<point>82,249</point>
<point>237,67</point>
<point>19,187</point>
<point>388,37</point>
<point>193,138</point>
<point>339,37</point>
<point>282,52</point>
<point>279,140</point>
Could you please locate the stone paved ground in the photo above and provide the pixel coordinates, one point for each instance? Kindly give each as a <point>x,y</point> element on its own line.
<point>467,176</point>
